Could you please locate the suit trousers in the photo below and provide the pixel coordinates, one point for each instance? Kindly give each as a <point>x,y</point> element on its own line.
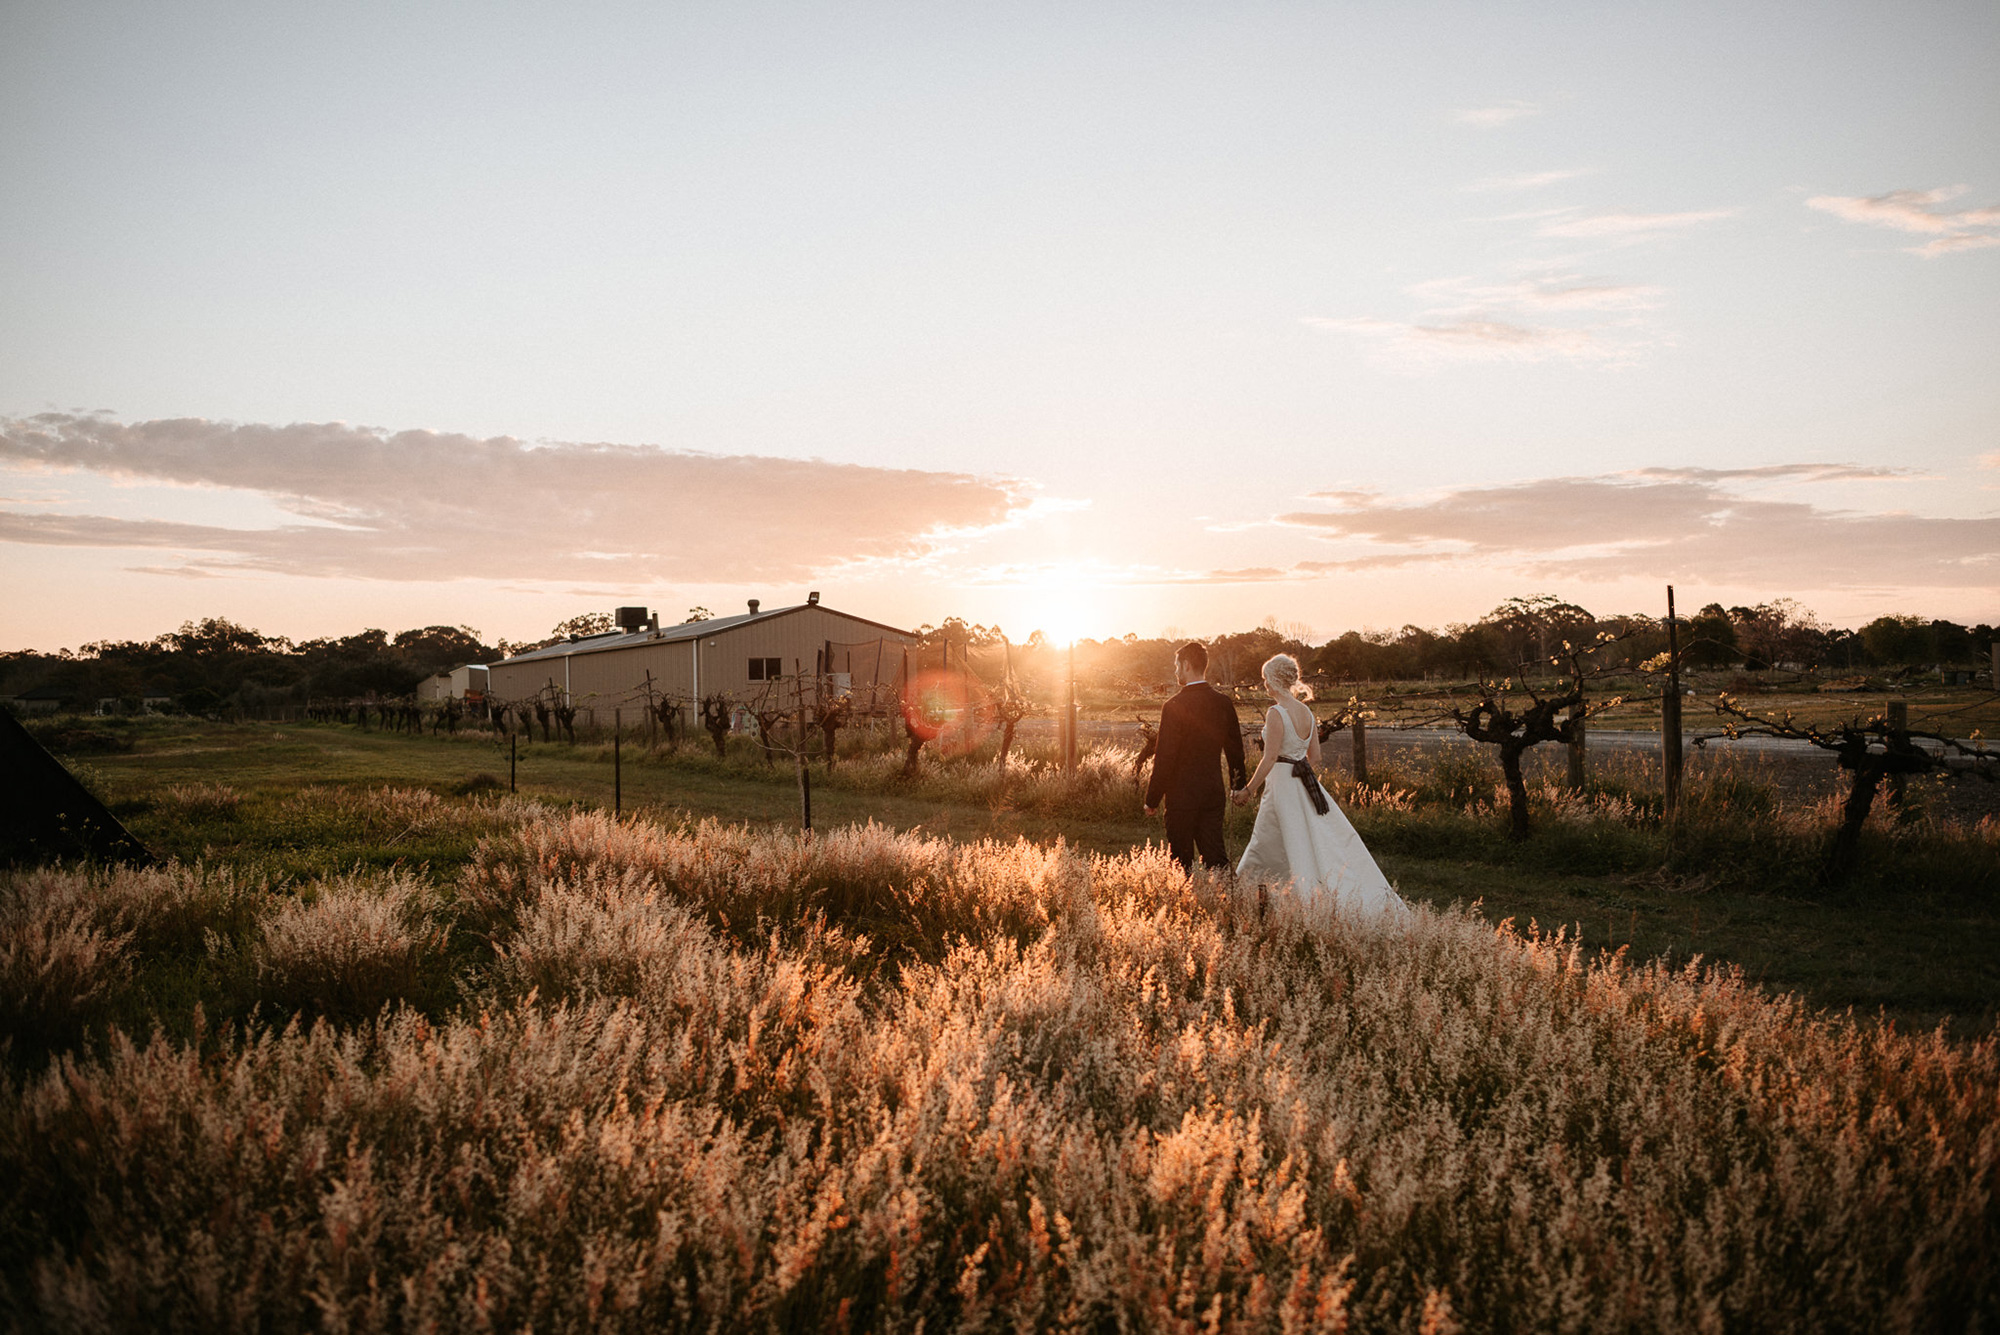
<point>1197,831</point>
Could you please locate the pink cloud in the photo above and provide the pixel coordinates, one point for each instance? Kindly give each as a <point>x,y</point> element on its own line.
<point>426,505</point>
<point>1554,316</point>
<point>1669,523</point>
<point>1421,343</point>
<point>1631,225</point>
<point>1914,211</point>
<point>1552,293</point>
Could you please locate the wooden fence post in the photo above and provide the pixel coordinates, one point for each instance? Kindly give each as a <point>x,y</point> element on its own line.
<point>1069,715</point>
<point>652,714</point>
<point>1577,745</point>
<point>617,762</point>
<point>1899,732</point>
<point>1670,713</point>
<point>1360,730</point>
<point>1670,746</point>
<point>805,770</point>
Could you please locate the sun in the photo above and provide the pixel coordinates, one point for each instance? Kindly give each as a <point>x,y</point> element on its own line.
<point>1063,615</point>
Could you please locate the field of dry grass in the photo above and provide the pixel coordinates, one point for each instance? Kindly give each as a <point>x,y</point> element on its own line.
<point>1914,933</point>
<point>633,1075</point>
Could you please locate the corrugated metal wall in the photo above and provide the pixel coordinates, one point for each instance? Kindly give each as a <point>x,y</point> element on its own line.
<point>610,676</point>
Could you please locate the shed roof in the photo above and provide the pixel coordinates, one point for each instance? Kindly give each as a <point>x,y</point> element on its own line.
<point>687,630</point>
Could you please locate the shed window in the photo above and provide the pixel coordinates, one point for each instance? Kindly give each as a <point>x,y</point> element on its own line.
<point>766,669</point>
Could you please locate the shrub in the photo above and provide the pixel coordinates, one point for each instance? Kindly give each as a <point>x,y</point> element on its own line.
<point>74,735</point>
<point>70,938</point>
<point>395,814</point>
<point>202,801</point>
<point>162,909</point>
<point>571,942</point>
<point>907,893</point>
<point>59,969</point>
<point>346,946</point>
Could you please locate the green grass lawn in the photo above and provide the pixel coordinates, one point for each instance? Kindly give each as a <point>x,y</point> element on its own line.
<point>1921,957</point>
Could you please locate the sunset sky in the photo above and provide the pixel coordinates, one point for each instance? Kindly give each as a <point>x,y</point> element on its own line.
<point>1080,317</point>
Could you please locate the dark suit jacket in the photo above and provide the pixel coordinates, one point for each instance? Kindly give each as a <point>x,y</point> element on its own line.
<point>1198,729</point>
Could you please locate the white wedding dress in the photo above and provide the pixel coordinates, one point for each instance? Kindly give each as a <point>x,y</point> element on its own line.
<point>1321,855</point>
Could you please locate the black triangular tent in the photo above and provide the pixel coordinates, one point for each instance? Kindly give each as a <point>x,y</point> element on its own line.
<point>45,814</point>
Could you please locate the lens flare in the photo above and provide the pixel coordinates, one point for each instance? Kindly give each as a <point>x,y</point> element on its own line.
<point>948,708</point>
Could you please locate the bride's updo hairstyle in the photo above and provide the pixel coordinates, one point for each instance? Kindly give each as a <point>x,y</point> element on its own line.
<point>1281,671</point>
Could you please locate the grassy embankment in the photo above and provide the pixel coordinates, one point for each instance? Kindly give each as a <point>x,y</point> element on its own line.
<point>1917,932</point>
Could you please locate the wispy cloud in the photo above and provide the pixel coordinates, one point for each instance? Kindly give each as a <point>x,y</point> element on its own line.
<point>1622,226</point>
<point>1526,180</point>
<point>1778,473</point>
<point>1552,315</point>
<point>1549,292</point>
<point>1559,316</point>
<point>1476,340</point>
<point>1915,211</point>
<point>1694,524</point>
<point>426,505</point>
<point>1503,113</point>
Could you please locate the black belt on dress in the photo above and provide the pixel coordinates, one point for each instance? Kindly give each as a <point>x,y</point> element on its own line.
<point>1302,770</point>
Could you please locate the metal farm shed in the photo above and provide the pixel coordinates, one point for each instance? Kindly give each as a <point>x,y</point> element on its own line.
<point>731,656</point>
<point>466,681</point>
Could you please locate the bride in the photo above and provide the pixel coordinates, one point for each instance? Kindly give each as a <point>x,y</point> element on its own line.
<point>1301,836</point>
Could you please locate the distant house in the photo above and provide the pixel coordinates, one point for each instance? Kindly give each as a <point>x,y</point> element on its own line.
<point>728,656</point>
<point>155,700</point>
<point>46,698</point>
<point>467,681</point>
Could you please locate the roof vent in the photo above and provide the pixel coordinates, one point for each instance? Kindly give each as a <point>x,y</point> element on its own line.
<point>631,618</point>
<point>753,607</point>
<point>812,599</point>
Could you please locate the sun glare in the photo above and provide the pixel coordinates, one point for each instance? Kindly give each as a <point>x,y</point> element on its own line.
<point>1064,610</point>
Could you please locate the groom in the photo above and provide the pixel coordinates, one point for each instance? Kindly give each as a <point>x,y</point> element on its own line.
<point>1198,730</point>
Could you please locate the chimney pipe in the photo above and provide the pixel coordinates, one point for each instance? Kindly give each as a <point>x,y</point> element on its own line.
<point>753,607</point>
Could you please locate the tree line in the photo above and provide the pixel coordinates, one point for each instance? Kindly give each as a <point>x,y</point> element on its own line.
<point>215,663</point>
<point>1777,634</point>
